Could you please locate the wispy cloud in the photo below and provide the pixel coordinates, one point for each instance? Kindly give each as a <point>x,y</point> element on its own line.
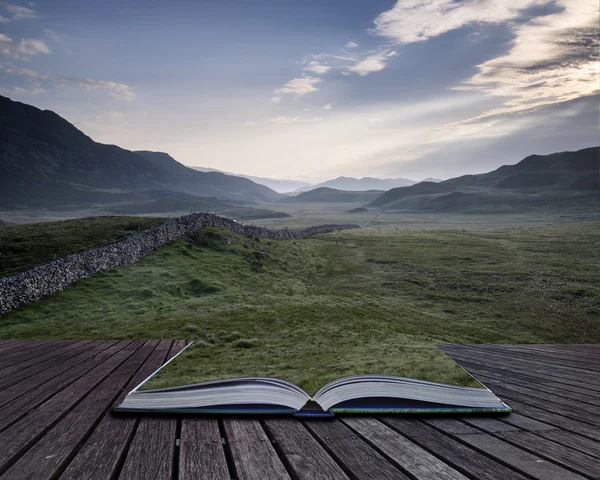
<point>20,90</point>
<point>372,63</point>
<point>288,120</point>
<point>553,57</point>
<point>57,37</point>
<point>351,45</point>
<point>326,107</point>
<point>317,67</point>
<point>25,49</point>
<point>297,87</point>
<point>115,90</point>
<point>416,21</point>
<point>16,12</point>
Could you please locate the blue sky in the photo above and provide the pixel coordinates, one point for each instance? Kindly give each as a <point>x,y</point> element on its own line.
<point>314,89</point>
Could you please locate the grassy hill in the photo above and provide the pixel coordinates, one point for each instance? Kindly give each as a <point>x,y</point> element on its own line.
<point>566,181</point>
<point>26,246</point>
<point>331,195</point>
<point>377,300</point>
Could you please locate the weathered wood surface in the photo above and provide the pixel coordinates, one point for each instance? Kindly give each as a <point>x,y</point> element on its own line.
<point>56,422</point>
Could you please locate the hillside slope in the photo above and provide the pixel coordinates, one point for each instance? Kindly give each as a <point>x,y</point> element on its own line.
<point>44,158</point>
<point>281,185</point>
<point>565,180</point>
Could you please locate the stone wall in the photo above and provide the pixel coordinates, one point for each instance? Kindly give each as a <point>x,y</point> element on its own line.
<point>37,282</point>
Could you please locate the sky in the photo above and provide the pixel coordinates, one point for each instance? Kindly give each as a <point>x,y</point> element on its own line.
<point>314,89</point>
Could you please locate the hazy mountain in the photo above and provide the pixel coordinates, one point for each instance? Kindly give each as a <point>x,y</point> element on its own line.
<point>209,183</point>
<point>44,158</point>
<point>331,195</point>
<point>281,185</point>
<point>434,180</point>
<point>360,184</point>
<point>556,181</point>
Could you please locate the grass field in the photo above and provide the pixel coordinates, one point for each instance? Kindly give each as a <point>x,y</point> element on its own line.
<point>377,300</point>
<point>29,245</point>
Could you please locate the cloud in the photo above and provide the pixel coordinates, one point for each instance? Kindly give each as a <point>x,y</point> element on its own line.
<point>299,86</point>
<point>553,56</point>
<point>553,59</point>
<point>275,99</point>
<point>20,13</point>
<point>412,21</point>
<point>20,90</point>
<point>351,44</point>
<point>33,46</point>
<point>28,47</point>
<point>4,20</point>
<point>316,67</point>
<point>326,107</point>
<point>372,63</point>
<point>57,37</point>
<point>288,120</point>
<point>119,91</point>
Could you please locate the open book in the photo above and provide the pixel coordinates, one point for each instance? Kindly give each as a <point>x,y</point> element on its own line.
<point>352,394</point>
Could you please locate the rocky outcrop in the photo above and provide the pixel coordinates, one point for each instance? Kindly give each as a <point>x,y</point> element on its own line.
<point>54,276</point>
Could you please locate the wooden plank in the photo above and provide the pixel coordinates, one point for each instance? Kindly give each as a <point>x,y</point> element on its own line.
<point>518,391</point>
<point>560,454</point>
<point>359,459</point>
<point>532,379</point>
<point>201,451</point>
<point>151,452</point>
<point>526,423</point>
<point>569,412</point>
<point>102,454</point>
<point>530,355</point>
<point>507,364</point>
<point>557,420</point>
<point>13,411</point>
<point>26,369</point>
<point>410,457</point>
<point>532,383</point>
<point>49,455</point>
<point>520,460</point>
<point>18,438</point>
<point>461,457</point>
<point>490,425</point>
<point>554,353</point>
<point>507,368</point>
<point>253,456</point>
<point>574,441</point>
<point>306,458</point>
<point>27,354</point>
<point>154,466</point>
<point>30,383</point>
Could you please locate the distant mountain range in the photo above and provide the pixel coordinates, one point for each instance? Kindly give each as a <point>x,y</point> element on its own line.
<point>331,195</point>
<point>360,184</point>
<point>281,185</point>
<point>559,181</point>
<point>44,158</point>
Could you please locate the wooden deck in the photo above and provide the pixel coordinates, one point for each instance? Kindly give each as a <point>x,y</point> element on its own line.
<point>55,422</point>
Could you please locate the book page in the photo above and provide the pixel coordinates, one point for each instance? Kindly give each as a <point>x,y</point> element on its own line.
<point>311,364</point>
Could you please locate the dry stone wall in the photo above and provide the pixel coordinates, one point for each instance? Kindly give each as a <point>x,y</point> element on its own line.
<point>54,276</point>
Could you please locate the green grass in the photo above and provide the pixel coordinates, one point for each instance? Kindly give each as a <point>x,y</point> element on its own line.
<point>29,245</point>
<point>377,301</point>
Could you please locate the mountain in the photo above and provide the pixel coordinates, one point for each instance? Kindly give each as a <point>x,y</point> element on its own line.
<point>331,195</point>
<point>360,184</point>
<point>44,158</point>
<point>281,185</point>
<point>434,180</point>
<point>565,180</point>
<point>210,183</point>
